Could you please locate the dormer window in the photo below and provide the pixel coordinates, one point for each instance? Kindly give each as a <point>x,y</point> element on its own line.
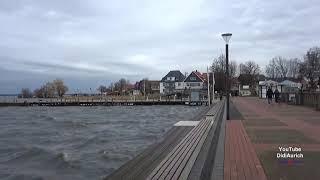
<point>171,78</point>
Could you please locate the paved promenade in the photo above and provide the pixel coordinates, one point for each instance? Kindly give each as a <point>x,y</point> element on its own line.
<point>257,130</point>
<point>241,161</point>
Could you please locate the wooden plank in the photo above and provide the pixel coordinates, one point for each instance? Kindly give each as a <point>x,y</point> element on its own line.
<point>187,168</point>
<point>171,153</point>
<point>158,172</point>
<point>172,157</point>
<point>155,158</point>
<point>144,163</point>
<point>201,166</point>
<point>217,170</point>
<point>178,164</point>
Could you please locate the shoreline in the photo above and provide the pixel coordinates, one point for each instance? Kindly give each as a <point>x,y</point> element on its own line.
<point>105,103</point>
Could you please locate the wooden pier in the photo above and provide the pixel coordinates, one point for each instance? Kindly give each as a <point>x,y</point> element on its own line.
<point>186,152</point>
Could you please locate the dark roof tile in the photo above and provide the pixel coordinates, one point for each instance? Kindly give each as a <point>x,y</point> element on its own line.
<point>176,73</point>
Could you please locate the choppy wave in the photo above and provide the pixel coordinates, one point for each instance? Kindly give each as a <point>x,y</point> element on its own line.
<point>37,154</point>
<point>79,142</point>
<point>74,124</point>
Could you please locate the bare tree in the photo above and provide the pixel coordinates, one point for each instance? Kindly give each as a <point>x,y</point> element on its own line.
<point>60,88</point>
<point>117,86</point>
<point>271,70</point>
<point>219,64</point>
<point>25,93</point>
<point>121,86</point>
<point>294,67</point>
<point>249,75</point>
<point>48,89</point>
<point>102,89</point>
<point>219,69</point>
<point>233,69</point>
<point>282,66</point>
<point>249,67</point>
<point>111,87</point>
<point>39,93</point>
<point>310,68</point>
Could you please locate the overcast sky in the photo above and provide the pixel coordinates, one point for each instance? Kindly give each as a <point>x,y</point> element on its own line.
<point>94,42</point>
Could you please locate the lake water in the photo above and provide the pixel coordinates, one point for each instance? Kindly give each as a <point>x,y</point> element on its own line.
<point>66,143</point>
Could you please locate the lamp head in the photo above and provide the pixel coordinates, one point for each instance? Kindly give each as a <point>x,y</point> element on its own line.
<point>226,37</point>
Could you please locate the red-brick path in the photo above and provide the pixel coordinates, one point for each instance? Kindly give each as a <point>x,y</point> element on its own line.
<point>293,116</point>
<point>241,161</point>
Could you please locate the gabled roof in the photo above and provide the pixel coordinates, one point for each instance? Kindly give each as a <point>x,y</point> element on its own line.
<point>267,83</point>
<point>290,83</point>
<point>283,79</point>
<point>205,76</point>
<point>200,77</point>
<point>176,73</point>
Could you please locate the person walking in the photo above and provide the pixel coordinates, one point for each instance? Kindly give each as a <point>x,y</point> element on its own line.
<point>276,95</point>
<point>269,95</point>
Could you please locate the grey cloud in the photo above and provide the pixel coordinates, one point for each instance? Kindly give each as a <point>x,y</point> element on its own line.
<point>112,39</point>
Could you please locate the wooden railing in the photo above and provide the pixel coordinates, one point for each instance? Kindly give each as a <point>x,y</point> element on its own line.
<point>310,99</point>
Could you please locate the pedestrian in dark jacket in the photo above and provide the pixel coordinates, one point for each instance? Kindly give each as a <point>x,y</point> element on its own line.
<point>269,95</point>
<point>276,95</point>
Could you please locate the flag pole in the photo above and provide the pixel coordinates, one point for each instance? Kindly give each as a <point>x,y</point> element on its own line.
<point>208,85</point>
<point>213,83</point>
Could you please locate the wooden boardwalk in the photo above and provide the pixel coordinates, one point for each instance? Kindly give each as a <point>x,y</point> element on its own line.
<point>217,149</point>
<point>175,157</point>
<point>142,165</point>
<point>178,163</point>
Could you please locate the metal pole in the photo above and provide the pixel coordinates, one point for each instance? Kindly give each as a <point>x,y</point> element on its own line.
<point>208,85</point>
<point>213,82</point>
<point>227,80</point>
<point>144,89</point>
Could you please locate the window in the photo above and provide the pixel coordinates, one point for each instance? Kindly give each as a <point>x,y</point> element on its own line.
<point>194,84</point>
<point>193,78</point>
<point>171,78</point>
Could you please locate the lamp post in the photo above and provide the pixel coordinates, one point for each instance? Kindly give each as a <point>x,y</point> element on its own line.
<point>226,37</point>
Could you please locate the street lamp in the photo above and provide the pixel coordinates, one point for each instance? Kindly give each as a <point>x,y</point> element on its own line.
<point>227,37</point>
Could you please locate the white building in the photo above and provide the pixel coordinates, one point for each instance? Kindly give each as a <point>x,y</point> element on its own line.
<point>169,83</point>
<point>264,85</point>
